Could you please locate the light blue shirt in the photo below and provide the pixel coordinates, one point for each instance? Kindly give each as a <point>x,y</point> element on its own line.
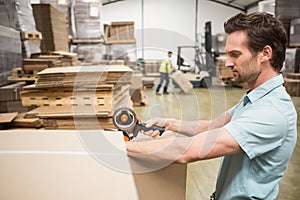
<point>265,127</point>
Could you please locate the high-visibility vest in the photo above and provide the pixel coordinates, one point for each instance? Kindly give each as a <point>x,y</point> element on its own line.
<point>165,66</point>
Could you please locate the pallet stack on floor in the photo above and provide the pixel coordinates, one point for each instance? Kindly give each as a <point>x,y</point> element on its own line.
<point>78,97</point>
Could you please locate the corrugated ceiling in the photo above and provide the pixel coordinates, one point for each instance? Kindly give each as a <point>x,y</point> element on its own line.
<point>243,5</point>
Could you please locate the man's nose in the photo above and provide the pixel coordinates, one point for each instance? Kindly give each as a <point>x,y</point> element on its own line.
<point>229,63</point>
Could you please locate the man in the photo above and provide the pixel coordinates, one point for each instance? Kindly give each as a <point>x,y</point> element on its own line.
<point>257,136</point>
<point>165,70</point>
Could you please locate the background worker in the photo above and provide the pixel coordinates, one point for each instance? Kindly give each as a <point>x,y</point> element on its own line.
<point>165,70</point>
<point>257,136</point>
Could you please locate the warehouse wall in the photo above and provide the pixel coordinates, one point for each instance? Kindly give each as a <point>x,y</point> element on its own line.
<point>168,23</point>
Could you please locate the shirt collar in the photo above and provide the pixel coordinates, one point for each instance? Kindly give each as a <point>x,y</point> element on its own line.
<point>265,88</point>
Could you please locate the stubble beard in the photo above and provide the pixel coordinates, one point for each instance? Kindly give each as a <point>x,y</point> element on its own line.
<point>249,76</point>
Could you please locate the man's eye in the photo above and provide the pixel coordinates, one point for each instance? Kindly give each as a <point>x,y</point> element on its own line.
<point>235,55</point>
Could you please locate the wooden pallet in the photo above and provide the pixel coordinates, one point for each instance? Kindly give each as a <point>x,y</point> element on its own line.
<point>18,75</point>
<point>31,36</point>
<point>114,41</point>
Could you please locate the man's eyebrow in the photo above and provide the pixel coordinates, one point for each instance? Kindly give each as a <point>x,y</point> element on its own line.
<point>237,52</point>
<point>234,51</point>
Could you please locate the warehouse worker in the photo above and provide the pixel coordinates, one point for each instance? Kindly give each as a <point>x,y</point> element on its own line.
<point>257,136</point>
<point>165,70</point>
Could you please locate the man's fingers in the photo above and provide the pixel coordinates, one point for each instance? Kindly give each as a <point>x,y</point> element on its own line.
<point>155,134</point>
<point>151,133</point>
<point>148,133</point>
<point>150,123</point>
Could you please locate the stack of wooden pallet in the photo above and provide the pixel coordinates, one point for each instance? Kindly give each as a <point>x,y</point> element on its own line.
<point>78,97</point>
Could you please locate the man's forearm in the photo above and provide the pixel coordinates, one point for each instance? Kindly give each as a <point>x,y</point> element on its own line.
<point>188,128</point>
<point>191,128</point>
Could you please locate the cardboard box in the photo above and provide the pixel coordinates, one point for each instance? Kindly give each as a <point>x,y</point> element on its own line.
<point>182,81</point>
<point>73,164</point>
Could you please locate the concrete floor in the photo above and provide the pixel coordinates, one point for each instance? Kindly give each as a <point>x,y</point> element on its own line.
<point>203,103</point>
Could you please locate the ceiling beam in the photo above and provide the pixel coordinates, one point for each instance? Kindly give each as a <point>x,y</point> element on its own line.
<point>252,5</point>
<point>230,5</point>
<point>109,2</point>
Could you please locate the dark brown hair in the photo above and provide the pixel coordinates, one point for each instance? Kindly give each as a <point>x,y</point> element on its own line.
<point>262,29</point>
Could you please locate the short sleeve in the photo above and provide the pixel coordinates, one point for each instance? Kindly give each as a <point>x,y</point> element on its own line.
<point>258,131</point>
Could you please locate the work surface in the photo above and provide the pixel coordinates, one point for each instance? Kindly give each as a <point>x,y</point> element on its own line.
<point>81,164</point>
<point>205,104</point>
<point>41,164</point>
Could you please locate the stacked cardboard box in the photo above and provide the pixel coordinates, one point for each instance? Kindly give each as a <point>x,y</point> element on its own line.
<point>90,52</point>
<point>17,14</point>
<point>86,26</point>
<point>53,25</point>
<point>295,32</point>
<point>10,52</point>
<point>38,62</point>
<point>78,97</point>
<point>148,82</point>
<point>120,32</point>
<point>84,161</point>
<point>152,67</point>
<point>287,11</point>
<point>126,52</point>
<point>61,5</point>
<point>10,100</point>
<point>292,84</point>
<point>223,72</point>
<point>181,80</point>
<point>87,18</point>
<point>136,91</point>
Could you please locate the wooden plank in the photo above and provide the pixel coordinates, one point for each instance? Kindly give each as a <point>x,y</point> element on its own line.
<point>7,117</point>
<point>122,23</point>
<point>112,41</point>
<point>20,121</point>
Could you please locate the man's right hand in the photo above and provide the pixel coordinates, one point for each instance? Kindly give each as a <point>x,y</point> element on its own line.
<point>161,122</point>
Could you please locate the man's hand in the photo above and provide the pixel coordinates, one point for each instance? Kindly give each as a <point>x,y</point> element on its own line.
<point>161,122</point>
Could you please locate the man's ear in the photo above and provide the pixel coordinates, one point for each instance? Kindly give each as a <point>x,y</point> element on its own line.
<point>266,53</point>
